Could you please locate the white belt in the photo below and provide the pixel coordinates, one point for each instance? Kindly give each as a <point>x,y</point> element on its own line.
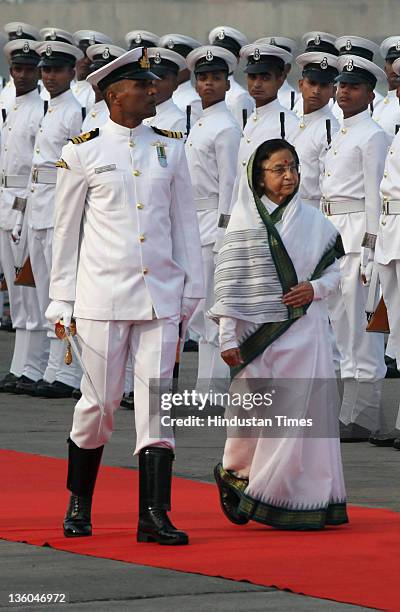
<point>14,180</point>
<point>341,208</point>
<point>48,177</point>
<point>206,203</point>
<point>390,207</point>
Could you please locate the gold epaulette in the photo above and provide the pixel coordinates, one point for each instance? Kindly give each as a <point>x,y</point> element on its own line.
<point>168,133</point>
<point>85,137</point>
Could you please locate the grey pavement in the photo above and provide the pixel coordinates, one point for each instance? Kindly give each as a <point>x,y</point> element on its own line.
<point>41,426</point>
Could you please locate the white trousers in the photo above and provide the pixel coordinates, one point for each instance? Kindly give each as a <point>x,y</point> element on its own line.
<point>105,348</point>
<point>40,251</point>
<point>211,366</point>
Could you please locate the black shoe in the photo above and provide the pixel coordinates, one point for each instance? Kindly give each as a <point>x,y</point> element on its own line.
<point>230,489</point>
<point>396,444</point>
<point>76,394</point>
<point>55,390</point>
<point>191,346</point>
<point>6,324</point>
<point>381,441</point>
<point>389,360</point>
<point>8,384</point>
<point>78,521</point>
<point>128,401</point>
<point>25,386</point>
<point>155,475</point>
<point>354,433</point>
<point>391,370</point>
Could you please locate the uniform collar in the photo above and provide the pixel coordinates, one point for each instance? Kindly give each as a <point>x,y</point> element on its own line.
<point>121,130</point>
<point>268,108</point>
<point>321,112</point>
<point>391,95</point>
<point>165,106</point>
<point>61,99</point>
<point>32,95</point>
<point>215,108</point>
<point>357,118</point>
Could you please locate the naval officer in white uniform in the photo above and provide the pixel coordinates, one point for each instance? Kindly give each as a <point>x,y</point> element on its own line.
<point>127,262</point>
<point>81,89</point>
<point>387,114</point>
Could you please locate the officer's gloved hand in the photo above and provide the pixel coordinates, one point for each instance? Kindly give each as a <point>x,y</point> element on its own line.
<point>16,233</point>
<point>57,311</point>
<point>188,307</point>
<point>366,273</point>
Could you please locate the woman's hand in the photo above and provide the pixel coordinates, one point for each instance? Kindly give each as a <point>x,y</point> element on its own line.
<point>299,295</point>
<point>232,357</point>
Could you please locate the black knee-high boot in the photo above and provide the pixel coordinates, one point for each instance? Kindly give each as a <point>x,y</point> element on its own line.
<point>83,465</point>
<point>155,476</point>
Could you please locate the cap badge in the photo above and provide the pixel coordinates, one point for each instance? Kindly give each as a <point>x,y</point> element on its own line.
<point>157,58</point>
<point>324,64</point>
<point>221,35</point>
<point>348,45</point>
<point>170,44</point>
<point>317,40</point>
<point>106,53</point>
<point>92,40</point>
<point>273,42</point>
<point>398,45</point>
<point>138,38</point>
<point>144,60</point>
<point>49,51</point>
<point>19,30</point>
<point>53,35</point>
<point>256,55</point>
<point>26,48</point>
<point>349,66</point>
<point>209,56</point>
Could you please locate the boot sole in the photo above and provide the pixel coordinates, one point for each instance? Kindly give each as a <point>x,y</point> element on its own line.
<point>148,538</point>
<point>70,534</point>
<point>220,485</point>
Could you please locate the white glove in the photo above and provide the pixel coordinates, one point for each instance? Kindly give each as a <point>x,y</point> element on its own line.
<point>16,233</point>
<point>57,311</point>
<point>188,307</point>
<point>366,272</point>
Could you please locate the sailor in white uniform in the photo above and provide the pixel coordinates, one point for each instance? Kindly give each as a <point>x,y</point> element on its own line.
<point>238,100</point>
<point>211,151</point>
<point>166,64</point>
<point>350,189</point>
<point>81,89</point>
<point>141,38</point>
<point>52,33</point>
<point>287,95</point>
<point>185,95</point>
<point>127,262</point>
<point>387,114</point>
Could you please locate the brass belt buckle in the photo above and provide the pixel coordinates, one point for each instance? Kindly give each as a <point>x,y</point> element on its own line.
<point>35,173</point>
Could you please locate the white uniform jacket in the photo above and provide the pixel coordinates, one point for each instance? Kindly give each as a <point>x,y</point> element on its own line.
<point>96,117</point>
<point>168,117</point>
<point>312,142</point>
<point>388,240</point>
<point>83,92</point>
<point>238,99</point>
<point>387,114</point>
<point>354,166</point>
<point>126,241</point>
<point>185,95</point>
<point>211,152</point>
<point>62,121</point>
<point>17,142</point>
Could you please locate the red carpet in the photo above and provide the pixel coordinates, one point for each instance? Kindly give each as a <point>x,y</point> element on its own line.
<point>355,563</point>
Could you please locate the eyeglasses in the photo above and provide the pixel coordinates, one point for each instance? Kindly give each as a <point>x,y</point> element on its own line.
<point>281,170</point>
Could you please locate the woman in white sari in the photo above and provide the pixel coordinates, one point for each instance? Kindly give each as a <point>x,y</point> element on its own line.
<point>277,264</point>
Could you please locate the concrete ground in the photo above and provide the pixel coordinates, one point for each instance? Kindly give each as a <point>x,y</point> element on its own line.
<point>41,426</point>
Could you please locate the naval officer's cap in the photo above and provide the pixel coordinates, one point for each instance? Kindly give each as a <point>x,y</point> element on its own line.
<point>164,61</point>
<point>211,58</point>
<point>132,65</point>
<point>287,44</point>
<point>262,57</point>
<point>320,42</point>
<point>396,66</point>
<point>56,34</point>
<point>390,48</point>
<point>356,69</point>
<point>141,38</point>
<point>22,51</point>
<point>103,54</point>
<point>18,29</point>
<point>319,67</point>
<point>355,45</point>
<point>228,38</point>
<point>179,43</point>
<point>86,38</point>
<point>55,53</point>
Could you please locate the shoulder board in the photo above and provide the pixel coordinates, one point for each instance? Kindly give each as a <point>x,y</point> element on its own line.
<point>168,133</point>
<point>85,136</point>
